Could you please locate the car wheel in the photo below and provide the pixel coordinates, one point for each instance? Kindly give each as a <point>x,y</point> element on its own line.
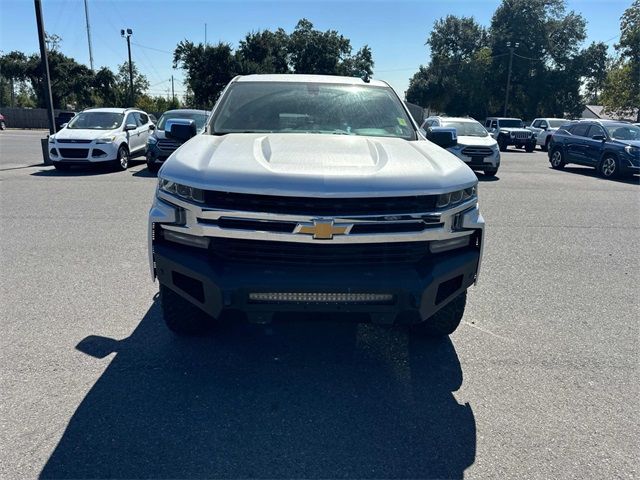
<point>2,126</point>
<point>502,144</point>
<point>491,172</point>
<point>529,147</point>
<point>444,321</point>
<point>608,167</point>
<point>181,316</point>
<point>545,147</point>
<point>152,166</point>
<point>122,160</point>
<point>557,159</point>
<point>61,166</point>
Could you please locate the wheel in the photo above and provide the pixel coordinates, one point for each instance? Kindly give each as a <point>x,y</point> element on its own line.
<point>491,172</point>
<point>122,160</point>
<point>529,147</point>
<point>181,316</point>
<point>545,147</point>
<point>2,125</point>
<point>61,166</point>
<point>557,159</point>
<point>502,144</point>
<point>608,167</point>
<point>444,321</point>
<point>151,165</point>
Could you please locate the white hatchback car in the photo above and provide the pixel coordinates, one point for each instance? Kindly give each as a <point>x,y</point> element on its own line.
<point>475,146</point>
<point>101,135</point>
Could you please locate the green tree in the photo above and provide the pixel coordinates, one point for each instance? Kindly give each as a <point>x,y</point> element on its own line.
<point>595,63</point>
<point>208,68</point>
<point>13,69</point>
<point>264,52</point>
<point>122,84</point>
<point>621,93</point>
<point>105,88</point>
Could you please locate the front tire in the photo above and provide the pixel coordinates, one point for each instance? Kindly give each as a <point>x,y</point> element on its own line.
<point>557,159</point>
<point>491,172</point>
<point>2,126</point>
<point>545,147</point>
<point>181,316</point>
<point>529,147</point>
<point>122,160</point>
<point>608,167</point>
<point>151,165</point>
<point>502,144</point>
<point>445,321</point>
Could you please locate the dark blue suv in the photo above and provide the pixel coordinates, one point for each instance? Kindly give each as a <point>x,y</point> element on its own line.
<point>611,147</point>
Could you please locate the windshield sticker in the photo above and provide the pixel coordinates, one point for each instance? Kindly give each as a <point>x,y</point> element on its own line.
<point>402,122</point>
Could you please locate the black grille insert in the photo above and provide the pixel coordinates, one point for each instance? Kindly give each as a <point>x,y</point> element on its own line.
<point>74,152</point>
<point>319,206</point>
<point>260,251</point>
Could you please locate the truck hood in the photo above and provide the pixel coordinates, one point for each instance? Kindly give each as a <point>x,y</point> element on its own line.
<point>316,165</point>
<point>467,141</point>
<point>84,134</point>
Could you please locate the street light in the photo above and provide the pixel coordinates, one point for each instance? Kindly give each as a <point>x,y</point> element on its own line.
<point>127,34</point>
<point>506,97</point>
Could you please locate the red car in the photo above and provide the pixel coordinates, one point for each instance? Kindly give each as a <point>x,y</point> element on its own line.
<point>3,125</point>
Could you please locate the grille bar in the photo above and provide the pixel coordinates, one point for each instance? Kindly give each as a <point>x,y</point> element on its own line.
<point>71,140</point>
<point>477,151</point>
<point>74,152</point>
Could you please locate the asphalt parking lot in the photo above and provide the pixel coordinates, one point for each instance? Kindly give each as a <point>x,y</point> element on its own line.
<point>540,381</point>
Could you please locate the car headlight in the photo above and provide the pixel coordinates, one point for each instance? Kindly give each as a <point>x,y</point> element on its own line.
<point>184,191</point>
<point>632,150</point>
<point>455,198</point>
<point>52,139</point>
<point>106,139</point>
<point>152,140</point>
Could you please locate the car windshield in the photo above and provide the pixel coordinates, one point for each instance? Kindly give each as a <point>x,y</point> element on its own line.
<point>296,107</point>
<point>199,118</point>
<point>467,129</point>
<point>96,121</point>
<point>623,132</point>
<point>511,123</point>
<point>556,123</point>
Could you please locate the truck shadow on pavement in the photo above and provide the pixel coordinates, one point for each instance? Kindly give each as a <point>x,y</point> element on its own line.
<point>304,400</point>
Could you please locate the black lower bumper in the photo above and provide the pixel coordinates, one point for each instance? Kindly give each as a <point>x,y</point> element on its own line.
<point>216,285</point>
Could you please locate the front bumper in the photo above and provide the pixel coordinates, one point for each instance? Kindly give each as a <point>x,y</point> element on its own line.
<point>217,285</point>
<point>630,165</point>
<point>478,163</point>
<point>82,153</point>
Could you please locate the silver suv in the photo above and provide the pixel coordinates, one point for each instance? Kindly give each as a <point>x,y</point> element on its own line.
<point>314,193</point>
<point>475,146</point>
<point>510,131</point>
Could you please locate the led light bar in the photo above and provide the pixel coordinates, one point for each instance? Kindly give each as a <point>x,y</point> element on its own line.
<point>320,297</point>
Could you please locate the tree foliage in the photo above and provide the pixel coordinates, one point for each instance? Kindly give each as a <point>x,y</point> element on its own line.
<point>469,65</point>
<point>208,68</point>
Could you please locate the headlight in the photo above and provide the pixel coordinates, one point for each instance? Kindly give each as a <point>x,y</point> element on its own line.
<point>152,140</point>
<point>106,139</point>
<point>632,150</point>
<point>52,139</point>
<point>455,198</point>
<point>188,193</point>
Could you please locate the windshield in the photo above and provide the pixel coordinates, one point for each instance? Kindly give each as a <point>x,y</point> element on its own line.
<point>288,107</point>
<point>623,132</point>
<point>467,129</point>
<point>556,123</point>
<point>199,118</point>
<point>96,121</point>
<point>511,123</point>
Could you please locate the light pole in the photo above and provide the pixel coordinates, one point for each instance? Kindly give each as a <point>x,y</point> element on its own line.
<point>506,96</point>
<point>127,34</point>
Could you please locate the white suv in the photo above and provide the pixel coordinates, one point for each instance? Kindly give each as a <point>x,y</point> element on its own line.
<point>101,135</point>
<point>544,129</point>
<point>475,146</point>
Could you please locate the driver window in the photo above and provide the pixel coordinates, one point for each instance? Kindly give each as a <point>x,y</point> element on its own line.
<point>130,119</point>
<point>494,124</point>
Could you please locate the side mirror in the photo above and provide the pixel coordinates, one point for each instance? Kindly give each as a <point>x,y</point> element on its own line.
<point>63,125</point>
<point>443,137</point>
<point>180,129</point>
<point>152,126</point>
<point>130,126</point>
<point>599,137</point>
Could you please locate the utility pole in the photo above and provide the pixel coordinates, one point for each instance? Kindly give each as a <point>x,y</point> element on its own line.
<point>127,34</point>
<point>506,97</point>
<point>173,94</point>
<point>205,34</point>
<point>86,16</point>
<point>44,62</point>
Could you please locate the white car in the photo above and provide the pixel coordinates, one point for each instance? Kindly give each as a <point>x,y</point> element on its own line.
<point>99,135</point>
<point>544,128</point>
<point>475,146</point>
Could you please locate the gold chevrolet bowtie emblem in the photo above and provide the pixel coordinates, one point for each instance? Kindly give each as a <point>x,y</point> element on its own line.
<point>322,229</point>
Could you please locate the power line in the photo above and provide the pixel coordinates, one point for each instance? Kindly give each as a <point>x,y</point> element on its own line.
<point>152,48</point>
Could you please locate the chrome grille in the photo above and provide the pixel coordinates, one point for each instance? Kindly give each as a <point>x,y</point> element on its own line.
<point>477,151</point>
<point>521,135</point>
<point>71,140</point>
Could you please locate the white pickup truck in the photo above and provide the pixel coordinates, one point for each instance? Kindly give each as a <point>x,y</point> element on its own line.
<point>314,193</point>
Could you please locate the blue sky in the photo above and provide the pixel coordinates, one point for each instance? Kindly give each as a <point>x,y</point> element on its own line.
<point>395,30</point>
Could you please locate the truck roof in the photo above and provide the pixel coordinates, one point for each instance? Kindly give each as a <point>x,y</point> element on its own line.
<point>287,77</point>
